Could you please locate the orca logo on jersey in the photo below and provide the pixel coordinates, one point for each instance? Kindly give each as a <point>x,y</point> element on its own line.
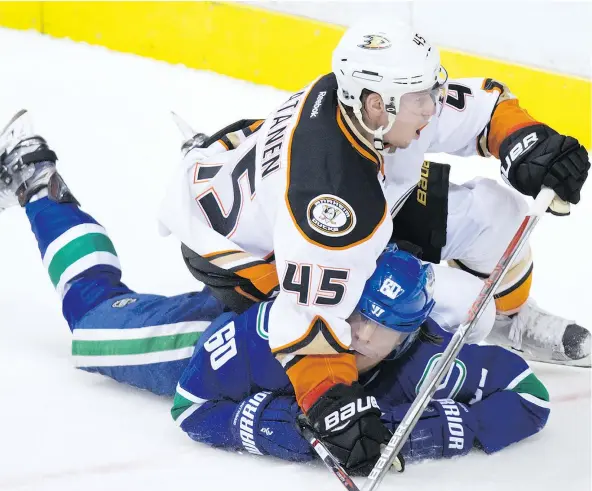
<point>453,381</point>
<point>375,41</point>
<point>330,215</point>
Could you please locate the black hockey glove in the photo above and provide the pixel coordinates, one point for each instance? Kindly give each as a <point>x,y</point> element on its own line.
<point>538,156</point>
<point>348,422</point>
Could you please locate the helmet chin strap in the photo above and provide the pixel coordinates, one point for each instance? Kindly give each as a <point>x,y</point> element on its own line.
<point>379,132</point>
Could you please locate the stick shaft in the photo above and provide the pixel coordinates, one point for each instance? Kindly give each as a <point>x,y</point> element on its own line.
<point>458,339</point>
<point>328,459</point>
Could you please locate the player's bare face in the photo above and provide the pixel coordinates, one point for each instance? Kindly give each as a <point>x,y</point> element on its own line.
<point>371,339</point>
<point>415,111</point>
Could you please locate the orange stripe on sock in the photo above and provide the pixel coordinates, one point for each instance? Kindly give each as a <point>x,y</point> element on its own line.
<point>511,302</point>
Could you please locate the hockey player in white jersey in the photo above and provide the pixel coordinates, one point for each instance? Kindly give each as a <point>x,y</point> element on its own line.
<point>229,390</point>
<point>302,203</point>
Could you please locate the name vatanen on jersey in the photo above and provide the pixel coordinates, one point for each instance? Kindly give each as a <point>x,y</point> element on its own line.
<point>276,135</point>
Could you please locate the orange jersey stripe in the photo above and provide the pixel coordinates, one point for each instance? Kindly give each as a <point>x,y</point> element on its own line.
<point>313,375</point>
<point>239,290</point>
<point>256,124</point>
<point>223,144</point>
<point>350,138</point>
<point>263,276</point>
<point>507,118</point>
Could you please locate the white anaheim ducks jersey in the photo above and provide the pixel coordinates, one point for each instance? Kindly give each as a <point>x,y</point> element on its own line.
<point>307,189</point>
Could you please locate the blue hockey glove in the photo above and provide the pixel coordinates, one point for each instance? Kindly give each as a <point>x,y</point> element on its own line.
<point>266,425</point>
<point>444,430</point>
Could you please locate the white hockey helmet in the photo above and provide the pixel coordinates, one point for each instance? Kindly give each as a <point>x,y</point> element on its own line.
<point>388,58</point>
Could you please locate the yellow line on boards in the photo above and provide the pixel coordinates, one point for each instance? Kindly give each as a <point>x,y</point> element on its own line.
<point>276,49</point>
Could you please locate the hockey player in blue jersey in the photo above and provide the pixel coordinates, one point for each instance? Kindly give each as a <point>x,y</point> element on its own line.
<point>229,390</point>
<point>234,394</point>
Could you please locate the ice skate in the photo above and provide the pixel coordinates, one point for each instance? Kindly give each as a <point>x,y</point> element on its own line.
<point>196,141</point>
<point>541,336</point>
<point>27,166</point>
<point>192,139</point>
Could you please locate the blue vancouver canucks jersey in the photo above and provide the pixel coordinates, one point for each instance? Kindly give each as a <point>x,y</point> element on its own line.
<point>230,391</point>
<point>235,394</point>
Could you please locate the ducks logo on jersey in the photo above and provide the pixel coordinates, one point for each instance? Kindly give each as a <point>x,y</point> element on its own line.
<point>330,215</point>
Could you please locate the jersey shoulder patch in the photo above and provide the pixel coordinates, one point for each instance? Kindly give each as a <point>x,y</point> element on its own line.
<point>333,193</point>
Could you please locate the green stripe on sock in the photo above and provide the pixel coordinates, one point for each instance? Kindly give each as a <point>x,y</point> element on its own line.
<point>135,346</point>
<point>77,249</point>
<point>180,405</point>
<point>532,385</point>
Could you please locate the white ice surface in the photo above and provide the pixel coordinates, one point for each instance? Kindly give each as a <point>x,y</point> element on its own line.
<point>107,117</point>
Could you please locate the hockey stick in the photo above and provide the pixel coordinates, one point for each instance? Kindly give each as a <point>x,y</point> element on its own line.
<point>327,457</point>
<point>538,208</point>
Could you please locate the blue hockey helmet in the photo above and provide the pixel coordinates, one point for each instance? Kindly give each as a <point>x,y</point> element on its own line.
<point>399,295</point>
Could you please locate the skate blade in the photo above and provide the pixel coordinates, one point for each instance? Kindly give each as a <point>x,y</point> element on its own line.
<point>183,126</point>
<point>12,120</point>
<point>9,132</point>
<point>581,362</point>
